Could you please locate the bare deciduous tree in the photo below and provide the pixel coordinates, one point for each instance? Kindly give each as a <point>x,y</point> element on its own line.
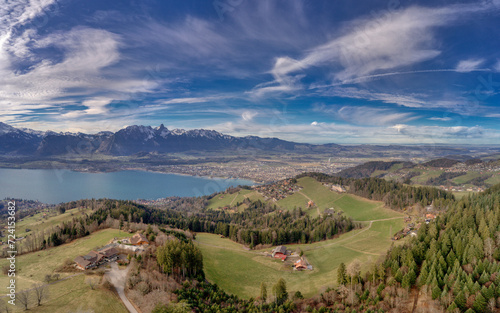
<point>24,298</point>
<point>489,248</point>
<point>41,293</point>
<point>353,270</point>
<point>4,307</point>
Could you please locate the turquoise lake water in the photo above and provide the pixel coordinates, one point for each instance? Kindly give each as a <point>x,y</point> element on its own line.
<point>55,186</point>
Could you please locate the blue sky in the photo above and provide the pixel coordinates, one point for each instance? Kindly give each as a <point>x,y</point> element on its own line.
<point>387,71</point>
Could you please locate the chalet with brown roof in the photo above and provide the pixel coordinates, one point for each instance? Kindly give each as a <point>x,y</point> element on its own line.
<point>139,239</point>
<point>109,252</point>
<point>300,264</point>
<point>83,263</point>
<point>95,258</point>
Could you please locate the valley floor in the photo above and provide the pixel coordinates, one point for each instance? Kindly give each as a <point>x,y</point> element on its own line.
<point>240,271</point>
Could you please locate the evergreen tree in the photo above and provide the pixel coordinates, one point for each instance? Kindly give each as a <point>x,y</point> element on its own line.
<point>263,291</point>
<point>342,274</point>
<point>480,304</point>
<point>280,292</point>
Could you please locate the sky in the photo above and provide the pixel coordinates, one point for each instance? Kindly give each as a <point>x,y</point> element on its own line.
<point>373,72</point>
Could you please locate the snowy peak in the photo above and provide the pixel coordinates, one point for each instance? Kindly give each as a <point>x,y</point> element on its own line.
<point>4,128</point>
<point>128,141</point>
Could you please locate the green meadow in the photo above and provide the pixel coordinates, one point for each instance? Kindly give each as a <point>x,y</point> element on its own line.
<point>240,271</point>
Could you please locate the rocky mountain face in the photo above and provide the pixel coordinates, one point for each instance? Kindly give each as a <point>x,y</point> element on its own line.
<point>14,141</point>
<point>133,140</point>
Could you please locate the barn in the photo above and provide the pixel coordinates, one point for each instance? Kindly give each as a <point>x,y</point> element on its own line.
<point>280,253</point>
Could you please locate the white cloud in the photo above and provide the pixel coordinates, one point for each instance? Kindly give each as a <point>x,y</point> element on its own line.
<point>373,116</point>
<point>441,119</point>
<point>497,65</point>
<point>411,101</point>
<point>441,134</point>
<point>189,100</point>
<point>350,134</point>
<point>249,115</point>
<point>314,123</point>
<point>396,39</point>
<point>469,65</point>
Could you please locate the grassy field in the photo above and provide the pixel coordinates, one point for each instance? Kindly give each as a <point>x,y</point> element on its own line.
<point>37,222</point>
<point>228,264</point>
<point>460,194</point>
<point>358,208</point>
<point>466,178</point>
<point>425,175</point>
<point>32,267</point>
<point>71,294</point>
<point>74,295</point>
<point>231,199</point>
<point>313,190</point>
<point>493,180</point>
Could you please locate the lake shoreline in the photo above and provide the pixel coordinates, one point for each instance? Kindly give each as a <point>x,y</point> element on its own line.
<point>129,169</point>
<point>54,186</point>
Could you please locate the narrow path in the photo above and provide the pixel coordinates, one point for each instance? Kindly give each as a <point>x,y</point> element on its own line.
<point>117,277</point>
<point>235,196</point>
<point>340,241</point>
<point>307,197</point>
<point>415,302</point>
<point>361,251</point>
<point>383,219</point>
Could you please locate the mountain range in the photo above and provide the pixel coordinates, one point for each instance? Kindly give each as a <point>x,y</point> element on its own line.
<point>137,139</point>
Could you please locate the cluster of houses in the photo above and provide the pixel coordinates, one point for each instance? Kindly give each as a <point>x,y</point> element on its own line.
<point>462,188</point>
<point>280,252</point>
<point>411,227</point>
<point>109,253</point>
<point>278,190</point>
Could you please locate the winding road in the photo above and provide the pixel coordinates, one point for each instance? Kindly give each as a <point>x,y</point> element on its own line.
<point>118,277</point>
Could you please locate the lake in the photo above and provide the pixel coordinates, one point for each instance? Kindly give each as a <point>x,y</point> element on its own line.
<point>55,186</point>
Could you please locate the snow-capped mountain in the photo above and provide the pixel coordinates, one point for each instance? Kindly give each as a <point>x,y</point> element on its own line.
<point>14,141</point>
<point>131,140</point>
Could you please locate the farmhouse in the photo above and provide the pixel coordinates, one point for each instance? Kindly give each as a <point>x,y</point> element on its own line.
<point>139,239</point>
<point>95,258</point>
<point>110,253</point>
<point>83,262</point>
<point>300,264</point>
<point>280,253</point>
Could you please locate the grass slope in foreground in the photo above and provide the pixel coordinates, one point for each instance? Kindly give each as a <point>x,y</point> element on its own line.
<point>72,294</point>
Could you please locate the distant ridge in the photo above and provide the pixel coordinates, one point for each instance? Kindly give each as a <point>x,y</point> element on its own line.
<point>137,140</point>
